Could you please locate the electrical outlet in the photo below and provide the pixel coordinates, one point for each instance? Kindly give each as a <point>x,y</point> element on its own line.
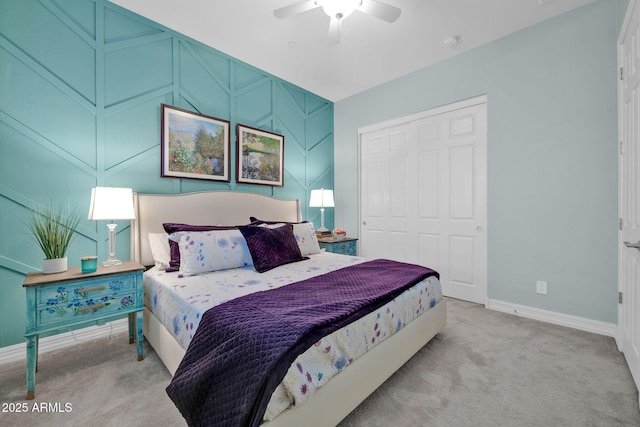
<point>541,287</point>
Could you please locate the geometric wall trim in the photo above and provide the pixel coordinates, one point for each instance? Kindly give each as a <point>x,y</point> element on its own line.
<point>82,82</point>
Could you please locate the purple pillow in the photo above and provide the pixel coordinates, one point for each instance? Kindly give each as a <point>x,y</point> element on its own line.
<point>256,221</point>
<point>271,247</point>
<point>174,249</point>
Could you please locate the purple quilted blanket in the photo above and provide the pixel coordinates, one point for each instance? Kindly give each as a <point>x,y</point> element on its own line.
<point>243,348</point>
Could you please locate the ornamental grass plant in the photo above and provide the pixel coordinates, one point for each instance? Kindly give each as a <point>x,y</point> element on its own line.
<point>53,228</point>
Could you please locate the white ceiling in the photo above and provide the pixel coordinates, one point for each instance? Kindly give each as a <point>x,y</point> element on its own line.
<point>370,52</point>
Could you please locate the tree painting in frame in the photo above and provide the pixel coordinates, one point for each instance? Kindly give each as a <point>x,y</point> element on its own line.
<point>260,157</point>
<point>194,145</point>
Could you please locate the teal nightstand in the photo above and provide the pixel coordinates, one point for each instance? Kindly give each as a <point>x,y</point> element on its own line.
<point>69,299</point>
<point>346,246</point>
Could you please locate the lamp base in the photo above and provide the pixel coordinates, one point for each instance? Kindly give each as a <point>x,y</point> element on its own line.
<point>111,261</point>
<point>322,229</point>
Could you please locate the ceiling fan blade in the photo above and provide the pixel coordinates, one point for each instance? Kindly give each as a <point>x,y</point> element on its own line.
<point>383,11</point>
<point>335,26</point>
<point>294,9</point>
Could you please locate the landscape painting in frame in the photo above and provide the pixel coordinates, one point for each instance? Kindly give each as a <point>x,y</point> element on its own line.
<point>260,157</point>
<point>194,145</point>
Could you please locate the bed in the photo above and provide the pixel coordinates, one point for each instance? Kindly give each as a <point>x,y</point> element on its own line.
<point>342,393</point>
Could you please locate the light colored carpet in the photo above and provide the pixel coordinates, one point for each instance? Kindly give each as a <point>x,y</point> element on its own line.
<point>103,382</point>
<point>495,369</point>
<point>484,369</point>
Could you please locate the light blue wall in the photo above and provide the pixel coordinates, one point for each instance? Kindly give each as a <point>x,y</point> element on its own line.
<point>552,154</point>
<point>81,83</point>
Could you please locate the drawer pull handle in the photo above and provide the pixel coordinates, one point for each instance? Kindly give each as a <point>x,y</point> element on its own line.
<point>86,291</point>
<point>93,307</point>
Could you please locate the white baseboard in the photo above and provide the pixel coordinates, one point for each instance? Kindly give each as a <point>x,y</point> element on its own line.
<point>581,323</point>
<point>18,352</point>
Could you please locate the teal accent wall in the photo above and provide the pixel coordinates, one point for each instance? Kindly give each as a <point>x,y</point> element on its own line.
<point>552,154</point>
<point>81,83</point>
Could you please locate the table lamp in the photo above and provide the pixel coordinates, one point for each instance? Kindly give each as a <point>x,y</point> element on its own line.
<point>110,204</point>
<point>321,199</point>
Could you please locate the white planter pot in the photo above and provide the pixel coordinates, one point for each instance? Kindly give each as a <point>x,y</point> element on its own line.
<point>57,265</point>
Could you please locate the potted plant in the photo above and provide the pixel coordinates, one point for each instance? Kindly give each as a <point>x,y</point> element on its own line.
<point>53,228</point>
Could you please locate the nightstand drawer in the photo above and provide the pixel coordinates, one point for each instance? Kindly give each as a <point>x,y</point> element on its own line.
<point>72,300</point>
<point>347,246</point>
<point>84,289</point>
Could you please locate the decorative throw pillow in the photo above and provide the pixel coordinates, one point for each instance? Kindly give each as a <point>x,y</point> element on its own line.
<point>205,251</point>
<point>174,252</point>
<point>159,243</point>
<point>271,247</point>
<point>306,237</point>
<point>304,232</point>
<point>256,221</point>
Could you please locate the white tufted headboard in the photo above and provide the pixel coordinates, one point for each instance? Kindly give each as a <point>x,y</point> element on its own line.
<point>202,208</point>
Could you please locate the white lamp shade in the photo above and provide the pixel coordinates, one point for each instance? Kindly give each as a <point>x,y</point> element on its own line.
<point>109,203</point>
<point>321,199</point>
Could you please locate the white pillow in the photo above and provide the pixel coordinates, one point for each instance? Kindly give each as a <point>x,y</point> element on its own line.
<point>205,251</point>
<point>306,238</point>
<point>159,244</point>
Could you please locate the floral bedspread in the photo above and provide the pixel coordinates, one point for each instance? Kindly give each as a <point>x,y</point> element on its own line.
<point>180,302</point>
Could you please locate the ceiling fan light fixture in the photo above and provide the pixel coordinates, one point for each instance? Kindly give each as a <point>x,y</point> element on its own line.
<point>339,8</point>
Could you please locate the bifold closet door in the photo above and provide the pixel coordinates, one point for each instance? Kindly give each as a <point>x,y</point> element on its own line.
<point>423,195</point>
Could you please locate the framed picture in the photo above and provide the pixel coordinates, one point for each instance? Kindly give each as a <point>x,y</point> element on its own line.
<point>260,157</point>
<point>194,146</point>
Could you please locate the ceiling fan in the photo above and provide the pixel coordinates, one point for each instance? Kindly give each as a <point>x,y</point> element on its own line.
<point>338,10</point>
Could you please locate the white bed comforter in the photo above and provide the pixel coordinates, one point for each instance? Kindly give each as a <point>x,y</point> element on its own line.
<point>179,303</point>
